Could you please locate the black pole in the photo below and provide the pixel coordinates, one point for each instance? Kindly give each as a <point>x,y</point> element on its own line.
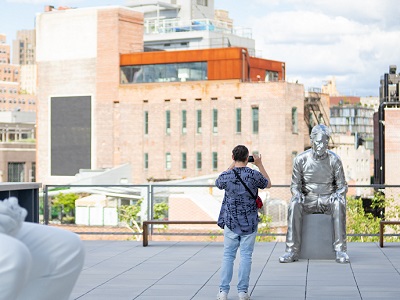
<point>381,165</point>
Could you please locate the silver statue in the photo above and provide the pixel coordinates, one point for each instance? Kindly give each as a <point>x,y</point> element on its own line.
<point>318,186</point>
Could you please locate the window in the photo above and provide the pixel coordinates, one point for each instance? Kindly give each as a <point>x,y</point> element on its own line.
<point>215,120</point>
<point>198,160</point>
<point>33,172</point>
<point>215,160</point>
<point>146,122</point>
<point>271,76</point>
<point>184,165</point>
<point>168,122</point>
<point>184,122</point>
<point>254,111</point>
<point>198,121</point>
<point>16,172</point>
<point>168,161</point>
<point>238,120</point>
<point>146,161</point>
<point>164,72</point>
<point>294,120</point>
<point>202,2</point>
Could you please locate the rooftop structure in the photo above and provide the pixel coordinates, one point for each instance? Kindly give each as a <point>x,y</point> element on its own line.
<point>189,24</point>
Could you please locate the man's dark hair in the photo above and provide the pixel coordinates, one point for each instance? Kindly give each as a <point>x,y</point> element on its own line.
<point>240,153</point>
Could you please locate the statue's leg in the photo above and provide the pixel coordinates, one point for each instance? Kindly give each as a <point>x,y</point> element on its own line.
<point>295,222</point>
<point>293,235</point>
<point>57,260</point>
<point>15,266</point>
<point>339,227</point>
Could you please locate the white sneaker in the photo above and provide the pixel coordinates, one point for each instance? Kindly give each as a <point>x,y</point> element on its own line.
<point>244,296</point>
<point>222,295</point>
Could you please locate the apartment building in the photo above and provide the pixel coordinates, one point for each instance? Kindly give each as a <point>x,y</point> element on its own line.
<point>386,127</point>
<point>17,123</point>
<point>353,119</point>
<point>24,48</point>
<point>168,114</point>
<point>24,55</point>
<point>11,96</point>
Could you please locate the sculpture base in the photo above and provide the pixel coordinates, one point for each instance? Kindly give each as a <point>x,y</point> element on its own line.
<point>317,237</point>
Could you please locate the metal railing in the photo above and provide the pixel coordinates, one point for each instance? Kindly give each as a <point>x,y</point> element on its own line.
<point>99,206</point>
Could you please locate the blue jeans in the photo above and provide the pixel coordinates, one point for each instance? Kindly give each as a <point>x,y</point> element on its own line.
<point>232,242</point>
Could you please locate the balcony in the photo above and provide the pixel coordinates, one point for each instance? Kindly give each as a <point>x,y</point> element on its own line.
<point>163,26</point>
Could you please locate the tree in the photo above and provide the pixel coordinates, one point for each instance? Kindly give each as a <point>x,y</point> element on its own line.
<point>264,227</point>
<point>66,204</point>
<point>361,222</point>
<point>128,216</point>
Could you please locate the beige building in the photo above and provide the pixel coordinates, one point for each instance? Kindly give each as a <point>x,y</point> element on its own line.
<point>17,123</point>
<point>142,124</point>
<point>24,54</point>
<point>12,98</point>
<point>185,148</point>
<point>24,47</point>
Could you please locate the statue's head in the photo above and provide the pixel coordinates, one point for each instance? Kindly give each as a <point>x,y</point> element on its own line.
<point>319,136</point>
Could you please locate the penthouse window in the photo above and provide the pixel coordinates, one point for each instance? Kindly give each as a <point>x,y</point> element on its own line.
<point>164,73</point>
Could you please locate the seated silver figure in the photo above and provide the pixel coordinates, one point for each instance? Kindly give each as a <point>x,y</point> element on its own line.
<point>318,186</point>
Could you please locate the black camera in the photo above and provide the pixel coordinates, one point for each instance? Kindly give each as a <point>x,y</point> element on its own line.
<point>251,158</point>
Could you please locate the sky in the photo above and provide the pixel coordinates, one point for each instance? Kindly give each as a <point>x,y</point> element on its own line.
<point>352,41</point>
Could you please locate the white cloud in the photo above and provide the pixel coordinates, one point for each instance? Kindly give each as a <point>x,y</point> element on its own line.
<point>355,41</point>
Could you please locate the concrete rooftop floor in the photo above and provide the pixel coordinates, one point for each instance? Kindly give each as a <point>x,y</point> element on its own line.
<point>122,270</point>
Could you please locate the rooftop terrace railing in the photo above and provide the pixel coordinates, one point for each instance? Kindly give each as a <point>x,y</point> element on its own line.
<point>163,26</point>
<point>118,207</point>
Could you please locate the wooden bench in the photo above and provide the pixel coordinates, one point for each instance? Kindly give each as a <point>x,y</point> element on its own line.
<point>382,229</point>
<point>166,222</point>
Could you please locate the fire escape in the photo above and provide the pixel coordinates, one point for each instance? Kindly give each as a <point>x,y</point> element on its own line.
<point>314,112</point>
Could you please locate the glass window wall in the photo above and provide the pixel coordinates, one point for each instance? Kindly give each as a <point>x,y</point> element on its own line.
<point>164,73</point>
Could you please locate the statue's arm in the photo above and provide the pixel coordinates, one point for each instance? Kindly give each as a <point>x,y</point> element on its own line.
<point>340,179</point>
<point>297,181</point>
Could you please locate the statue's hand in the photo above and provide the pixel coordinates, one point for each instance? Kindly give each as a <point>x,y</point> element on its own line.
<point>11,216</point>
<point>298,197</point>
<point>336,197</point>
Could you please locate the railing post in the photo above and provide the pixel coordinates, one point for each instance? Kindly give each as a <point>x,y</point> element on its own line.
<point>45,206</point>
<point>145,234</point>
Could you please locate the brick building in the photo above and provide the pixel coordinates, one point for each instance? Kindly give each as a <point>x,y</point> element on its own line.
<point>17,123</point>
<point>93,116</point>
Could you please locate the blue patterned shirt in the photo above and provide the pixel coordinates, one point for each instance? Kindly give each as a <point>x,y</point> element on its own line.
<point>239,210</point>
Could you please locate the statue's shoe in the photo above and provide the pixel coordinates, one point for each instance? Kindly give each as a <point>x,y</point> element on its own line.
<point>289,257</point>
<point>342,257</point>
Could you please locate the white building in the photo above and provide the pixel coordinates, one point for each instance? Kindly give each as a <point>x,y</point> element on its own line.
<point>189,24</point>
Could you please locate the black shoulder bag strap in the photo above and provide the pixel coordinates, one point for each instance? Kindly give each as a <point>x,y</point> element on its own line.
<point>247,188</point>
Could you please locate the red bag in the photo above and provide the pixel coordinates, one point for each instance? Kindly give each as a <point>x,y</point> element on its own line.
<point>259,202</point>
